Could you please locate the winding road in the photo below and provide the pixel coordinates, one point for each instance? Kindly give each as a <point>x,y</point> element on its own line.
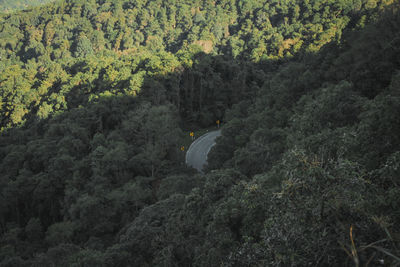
<point>196,155</point>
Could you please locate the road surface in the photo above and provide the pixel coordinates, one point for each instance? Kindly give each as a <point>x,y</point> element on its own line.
<point>196,155</point>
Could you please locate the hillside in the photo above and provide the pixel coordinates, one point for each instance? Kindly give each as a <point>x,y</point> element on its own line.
<point>8,6</point>
<point>94,98</point>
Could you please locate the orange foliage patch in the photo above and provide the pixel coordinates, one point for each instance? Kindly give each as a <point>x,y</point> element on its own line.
<point>207,45</point>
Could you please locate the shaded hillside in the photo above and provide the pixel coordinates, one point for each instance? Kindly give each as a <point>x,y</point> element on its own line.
<point>305,174</point>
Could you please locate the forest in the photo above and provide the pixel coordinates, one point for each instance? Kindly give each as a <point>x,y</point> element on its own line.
<point>98,96</point>
<point>7,6</point>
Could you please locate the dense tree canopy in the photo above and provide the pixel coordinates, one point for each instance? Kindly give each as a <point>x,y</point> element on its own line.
<point>96,98</point>
<point>7,6</point>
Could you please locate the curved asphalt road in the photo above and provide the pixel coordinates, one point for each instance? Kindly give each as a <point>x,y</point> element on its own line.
<point>196,155</point>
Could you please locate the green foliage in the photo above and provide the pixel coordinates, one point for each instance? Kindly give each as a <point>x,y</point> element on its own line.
<point>7,6</point>
<point>33,230</point>
<point>177,185</point>
<point>119,46</point>
<point>83,47</point>
<point>93,99</point>
<point>59,233</point>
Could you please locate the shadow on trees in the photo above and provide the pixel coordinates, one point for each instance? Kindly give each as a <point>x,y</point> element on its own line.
<point>114,141</point>
<point>81,176</point>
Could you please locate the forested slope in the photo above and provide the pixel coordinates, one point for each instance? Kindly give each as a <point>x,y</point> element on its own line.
<point>7,6</point>
<point>71,52</point>
<point>94,97</point>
